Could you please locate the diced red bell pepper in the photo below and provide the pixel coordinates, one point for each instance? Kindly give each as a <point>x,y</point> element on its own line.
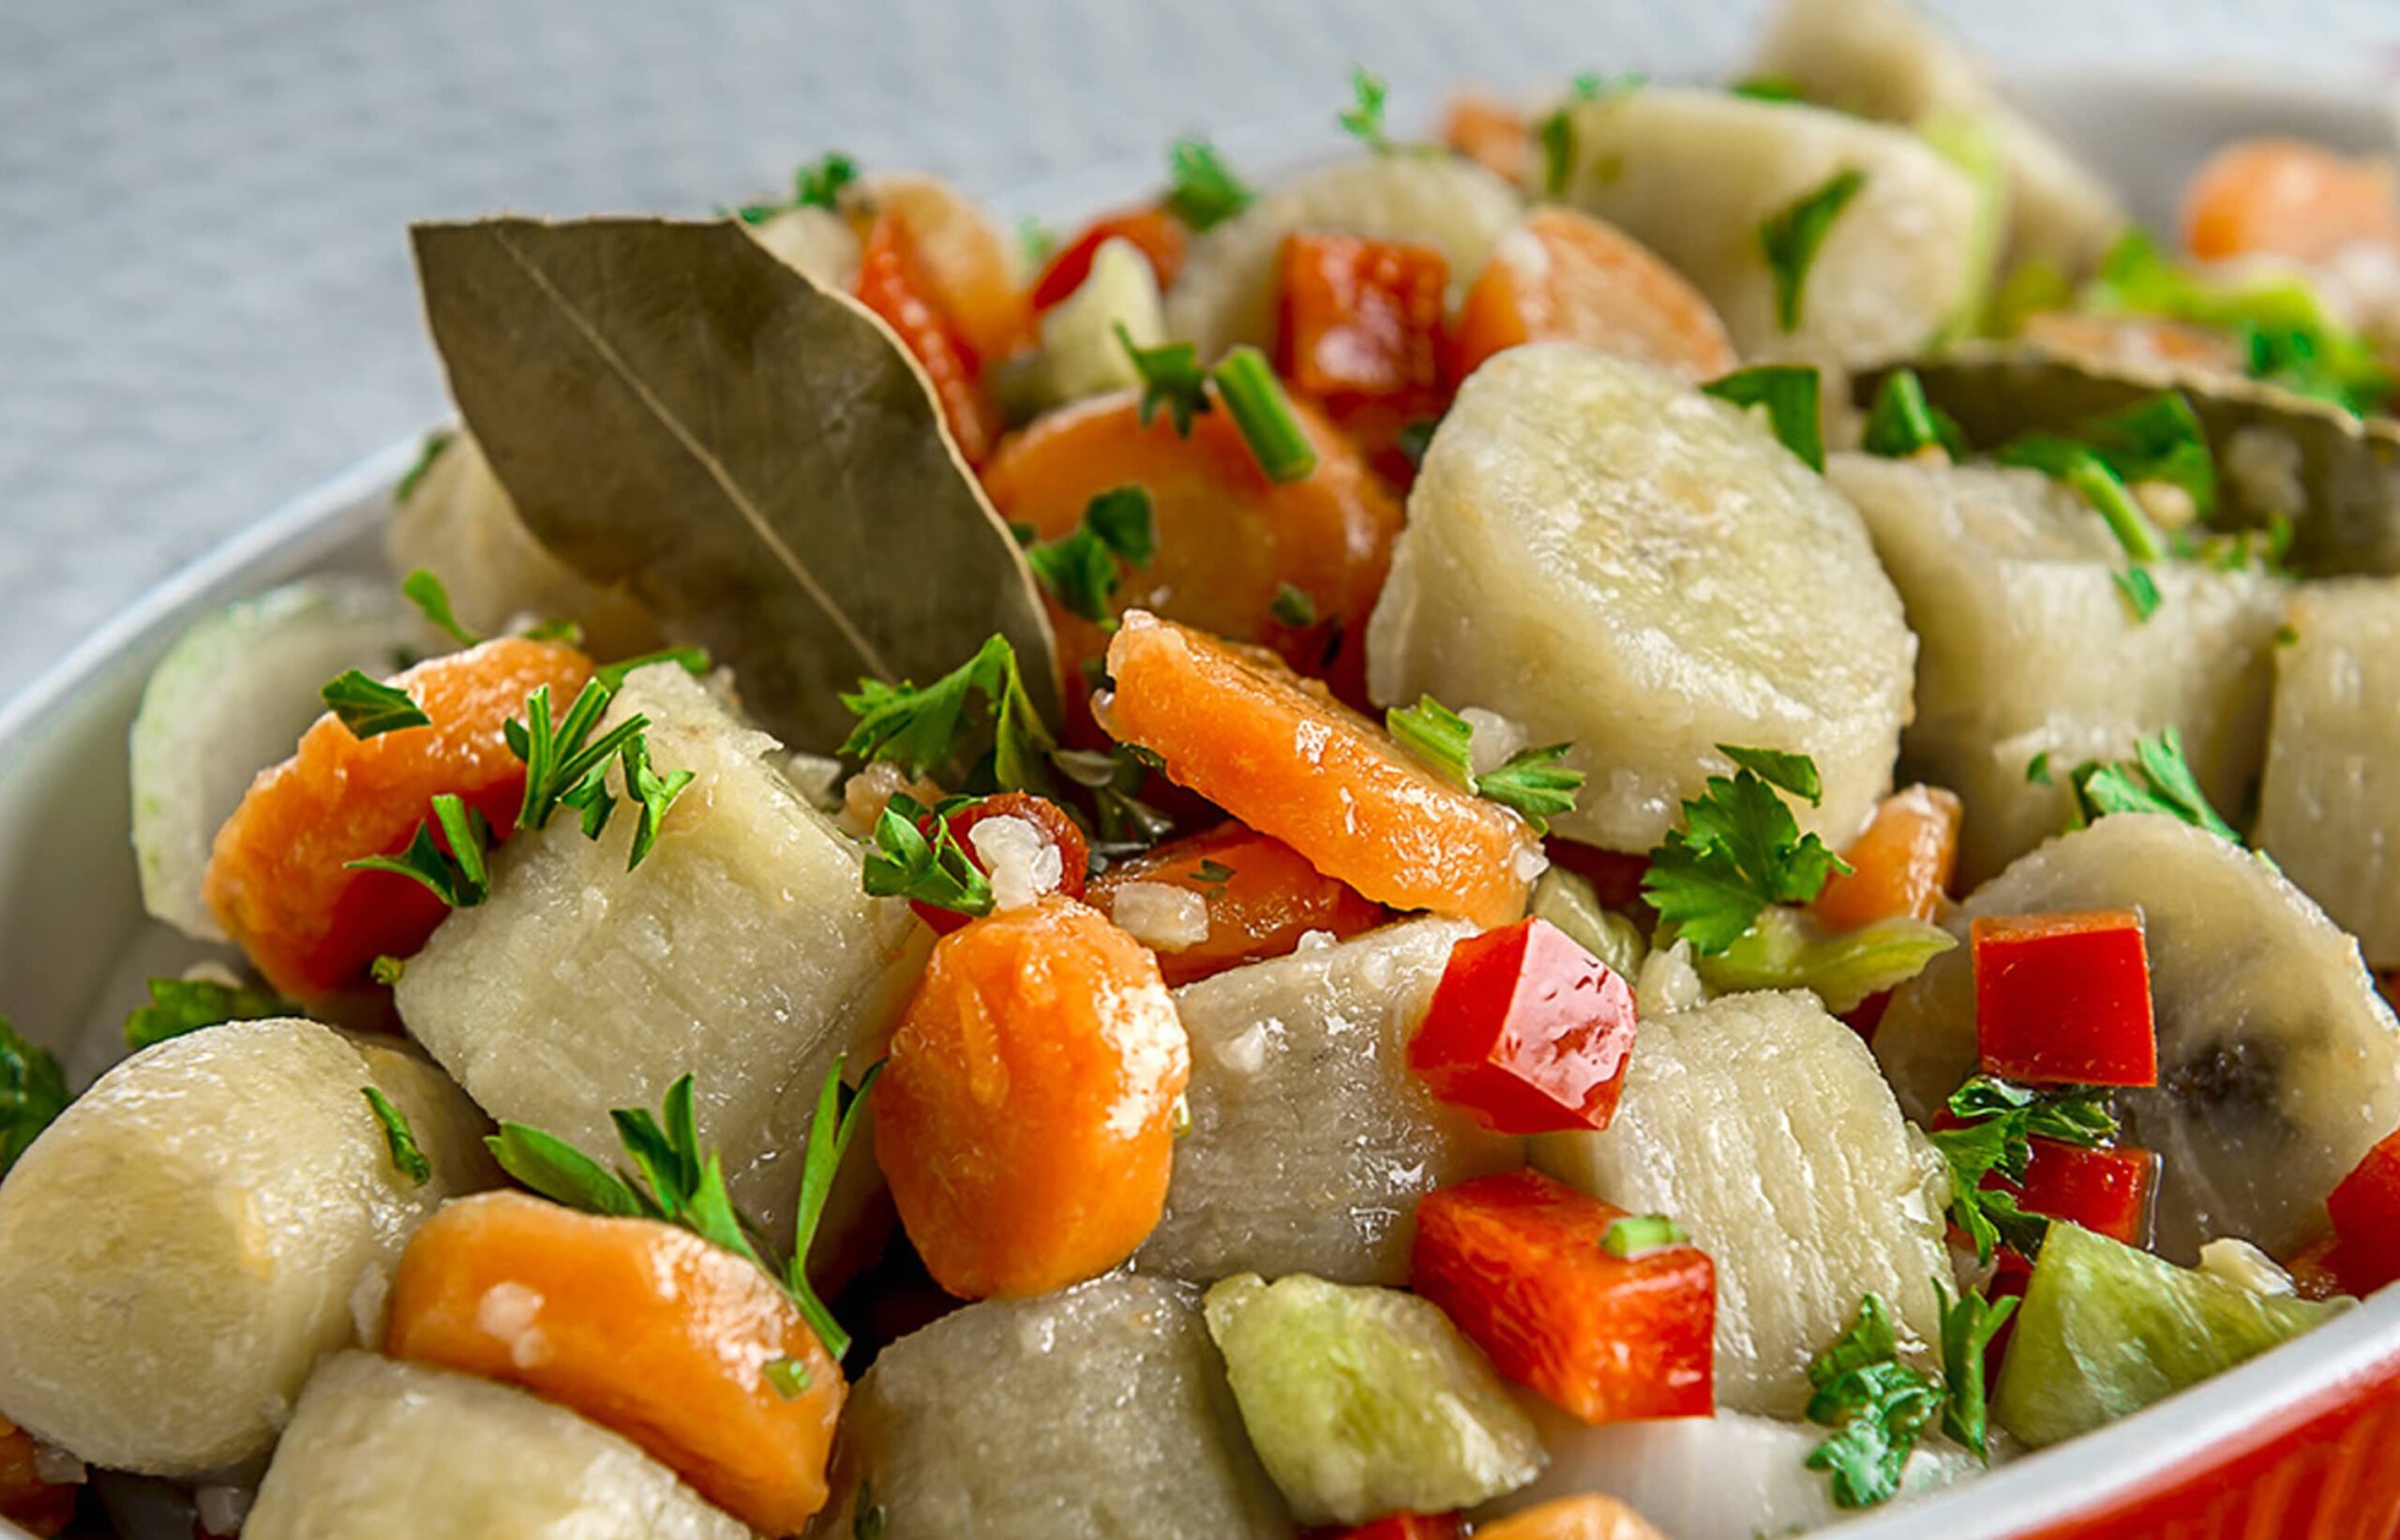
<point>1156,234</point>
<point>1528,1032</point>
<point>2108,1192</point>
<point>1360,317</point>
<point>1516,1260</point>
<point>1404,1526</point>
<point>2064,999</point>
<point>2365,1208</point>
<point>1047,817</point>
<point>891,283</point>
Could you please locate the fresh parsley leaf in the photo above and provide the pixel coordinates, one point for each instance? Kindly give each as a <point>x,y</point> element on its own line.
<point>1789,392</point>
<point>817,184</point>
<point>1122,520</point>
<point>1968,1326</point>
<point>33,1092</point>
<point>1790,236</point>
<point>1770,88</point>
<point>1437,735</point>
<point>457,875</point>
<point>2140,591</point>
<point>1079,570</point>
<point>1996,1122</point>
<point>829,1139</point>
<point>652,792</point>
<point>2159,439</point>
<point>1739,851</point>
<point>178,1006</point>
<point>1877,1407</point>
<point>1901,423</point>
<point>1636,1233</point>
<point>425,591</point>
<point>904,862</point>
<point>407,1157</point>
<point>1202,190</point>
<point>1414,437</point>
<point>1293,606</point>
<point>929,728</point>
<point>369,708</point>
<point>1794,772</point>
<point>1171,377</point>
<point>2159,780</point>
<point>427,452</point>
<point>1254,398</point>
<point>1535,784</point>
<point>550,1166</point>
<point>1363,119</point>
<point>789,1376</point>
<point>612,676</point>
<point>2083,468</point>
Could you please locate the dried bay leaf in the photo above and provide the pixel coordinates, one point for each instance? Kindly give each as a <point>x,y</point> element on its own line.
<point>2334,475</point>
<point>756,458</point>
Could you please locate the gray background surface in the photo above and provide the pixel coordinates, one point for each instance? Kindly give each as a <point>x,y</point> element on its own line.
<point>206,302</point>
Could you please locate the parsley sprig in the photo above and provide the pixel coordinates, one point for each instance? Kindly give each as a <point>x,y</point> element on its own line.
<point>933,727</point>
<point>682,1184</point>
<point>1079,569</point>
<point>1788,393</point>
<point>906,862</point>
<point>1363,119</point>
<point>1536,783</point>
<point>816,183</point>
<point>2159,780</point>
<point>1171,378</point>
<point>1997,1122</point>
<point>369,708</point>
<point>33,1092</point>
<point>1740,850</point>
<point>178,1006</point>
<point>1790,236</point>
<point>1202,190</point>
<point>1879,1407</point>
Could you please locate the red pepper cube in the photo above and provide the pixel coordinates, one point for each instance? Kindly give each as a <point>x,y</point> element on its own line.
<point>2064,999</point>
<point>1403,1526</point>
<point>1047,818</point>
<point>1528,1032</point>
<point>2110,1192</point>
<point>1360,317</point>
<point>2365,1207</point>
<point>1517,1261</point>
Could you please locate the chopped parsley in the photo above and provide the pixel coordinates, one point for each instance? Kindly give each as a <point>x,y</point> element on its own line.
<point>1997,1119</point>
<point>1212,875</point>
<point>1292,606</point>
<point>1171,378</point>
<point>1788,393</point>
<point>1079,570</point>
<point>1879,1407</point>
<point>2037,770</point>
<point>2157,440</point>
<point>1637,1234</point>
<point>2140,591</point>
<point>936,870</point>
<point>931,728</point>
<point>426,452</point>
<point>1202,190</point>
<point>1536,783</point>
<point>1769,88</point>
<point>1255,399</point>
<point>1556,130</point>
<point>1790,236</point>
<point>455,875</point>
<point>1739,851</point>
<point>369,708</point>
<point>612,676</point>
<point>2084,469</point>
<point>1363,119</point>
<point>816,183</point>
<point>1969,1323</point>
<point>1901,423</point>
<point>178,1006</point>
<point>407,1157</point>
<point>425,591</point>
<point>2159,780</point>
<point>33,1092</point>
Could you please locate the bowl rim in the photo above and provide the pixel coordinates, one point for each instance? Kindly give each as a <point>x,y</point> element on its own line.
<point>2231,1415</point>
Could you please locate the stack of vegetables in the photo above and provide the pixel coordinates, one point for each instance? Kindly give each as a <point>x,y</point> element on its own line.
<point>1404,968</point>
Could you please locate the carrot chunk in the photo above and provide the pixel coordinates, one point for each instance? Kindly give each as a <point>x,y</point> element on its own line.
<point>2287,198</point>
<point>2064,999</point>
<point>688,1349</point>
<point>1263,896</point>
<point>1026,1118</point>
<point>1490,132</point>
<point>1589,1516</point>
<point>1522,1264</point>
<point>892,283</point>
<point>1900,866</point>
<point>1359,316</point>
<point>1528,1032</point>
<point>1048,820</point>
<point>1230,543</point>
<point>276,877</point>
<point>37,1506</point>
<point>1287,759</point>
<point>1154,232</point>
<point>2365,1207</point>
<point>1564,276</point>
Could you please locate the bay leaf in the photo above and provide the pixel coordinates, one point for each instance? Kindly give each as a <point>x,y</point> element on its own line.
<point>2342,490</point>
<point>756,458</point>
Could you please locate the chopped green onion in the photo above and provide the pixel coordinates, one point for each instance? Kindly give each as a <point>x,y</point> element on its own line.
<point>1637,1234</point>
<point>407,1157</point>
<point>2140,591</point>
<point>1259,408</point>
<point>1902,421</point>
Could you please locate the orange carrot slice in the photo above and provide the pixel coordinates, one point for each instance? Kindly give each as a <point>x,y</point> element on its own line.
<point>1229,540</point>
<point>35,1506</point>
<point>1900,866</point>
<point>1564,276</point>
<point>893,283</point>
<point>1590,1517</point>
<point>1263,896</point>
<point>277,880</point>
<point>1359,316</point>
<point>1490,132</point>
<point>643,1327</point>
<point>2287,197</point>
<point>1287,759</point>
<point>1025,1119</point>
<point>969,273</point>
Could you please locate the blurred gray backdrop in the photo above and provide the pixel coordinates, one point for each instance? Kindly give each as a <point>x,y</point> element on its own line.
<point>206,302</point>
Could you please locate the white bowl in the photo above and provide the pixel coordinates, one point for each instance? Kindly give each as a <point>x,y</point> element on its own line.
<point>75,946</point>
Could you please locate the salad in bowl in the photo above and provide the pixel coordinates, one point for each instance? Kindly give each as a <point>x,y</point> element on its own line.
<point>1673,816</point>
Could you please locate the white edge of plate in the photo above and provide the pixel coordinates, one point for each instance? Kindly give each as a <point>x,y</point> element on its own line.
<point>2278,1389</point>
